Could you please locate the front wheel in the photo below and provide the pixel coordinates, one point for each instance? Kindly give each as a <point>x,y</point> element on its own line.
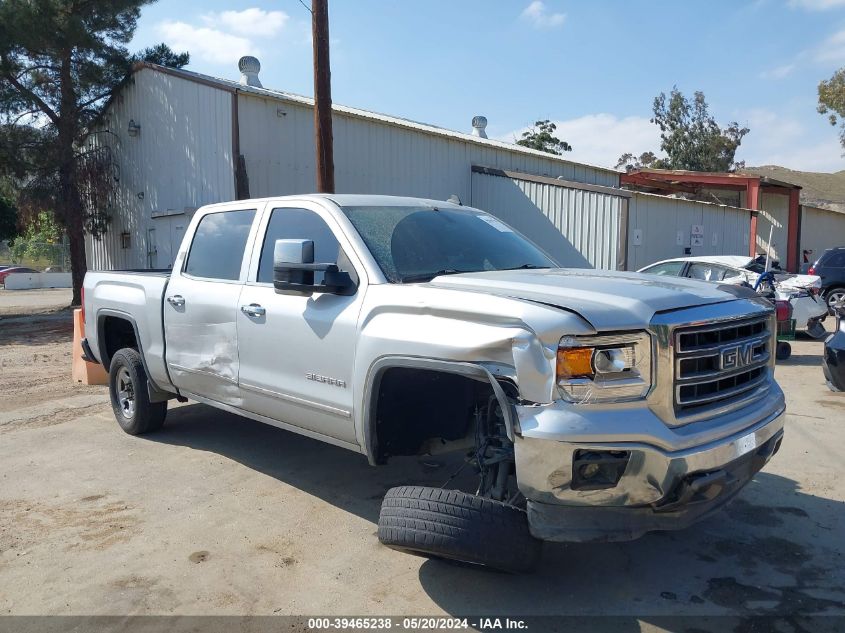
<point>783,350</point>
<point>458,526</point>
<point>130,399</point>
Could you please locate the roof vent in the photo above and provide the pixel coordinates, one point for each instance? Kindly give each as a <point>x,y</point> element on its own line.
<point>479,123</point>
<point>250,67</point>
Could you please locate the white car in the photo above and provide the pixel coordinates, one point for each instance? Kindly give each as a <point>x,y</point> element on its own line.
<point>800,290</point>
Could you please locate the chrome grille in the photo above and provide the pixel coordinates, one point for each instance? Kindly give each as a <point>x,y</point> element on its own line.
<point>719,365</point>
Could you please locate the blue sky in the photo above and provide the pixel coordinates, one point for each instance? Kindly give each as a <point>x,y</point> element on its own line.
<point>592,66</point>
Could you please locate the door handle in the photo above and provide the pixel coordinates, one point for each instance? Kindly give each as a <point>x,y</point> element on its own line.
<point>253,310</point>
<point>177,301</point>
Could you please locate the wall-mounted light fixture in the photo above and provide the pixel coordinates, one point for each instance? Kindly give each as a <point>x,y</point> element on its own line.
<point>134,128</point>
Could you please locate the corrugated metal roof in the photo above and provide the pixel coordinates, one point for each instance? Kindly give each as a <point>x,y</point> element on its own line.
<point>279,95</point>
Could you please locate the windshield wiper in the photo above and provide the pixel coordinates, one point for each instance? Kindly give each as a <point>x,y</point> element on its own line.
<point>429,276</point>
<point>526,267</point>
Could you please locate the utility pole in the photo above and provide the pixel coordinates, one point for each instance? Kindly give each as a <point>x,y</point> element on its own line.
<point>324,143</point>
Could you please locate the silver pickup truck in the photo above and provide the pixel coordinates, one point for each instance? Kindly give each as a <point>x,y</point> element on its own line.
<point>592,405</point>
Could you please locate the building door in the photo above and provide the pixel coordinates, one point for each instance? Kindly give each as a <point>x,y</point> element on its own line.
<point>177,233</point>
<point>152,249</point>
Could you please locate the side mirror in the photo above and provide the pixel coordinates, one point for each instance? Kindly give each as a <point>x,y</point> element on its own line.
<point>294,268</point>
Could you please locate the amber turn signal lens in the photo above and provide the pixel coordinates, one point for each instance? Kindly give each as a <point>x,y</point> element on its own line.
<point>574,362</point>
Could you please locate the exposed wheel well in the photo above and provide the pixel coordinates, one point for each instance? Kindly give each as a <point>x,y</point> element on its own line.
<point>414,406</point>
<point>116,333</point>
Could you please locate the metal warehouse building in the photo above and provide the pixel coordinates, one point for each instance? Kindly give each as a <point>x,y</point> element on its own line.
<point>180,140</point>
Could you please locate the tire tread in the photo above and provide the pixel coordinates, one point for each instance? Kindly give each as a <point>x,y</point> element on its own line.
<point>459,526</point>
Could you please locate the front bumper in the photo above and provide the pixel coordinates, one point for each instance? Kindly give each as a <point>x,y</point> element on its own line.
<point>672,478</point>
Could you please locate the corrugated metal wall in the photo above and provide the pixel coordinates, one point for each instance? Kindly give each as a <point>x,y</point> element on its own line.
<point>579,228</point>
<point>657,223</point>
<point>373,156</point>
<point>774,215</point>
<point>820,229</point>
<point>181,158</point>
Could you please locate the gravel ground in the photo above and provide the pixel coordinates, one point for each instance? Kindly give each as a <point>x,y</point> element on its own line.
<point>217,514</point>
<point>28,302</point>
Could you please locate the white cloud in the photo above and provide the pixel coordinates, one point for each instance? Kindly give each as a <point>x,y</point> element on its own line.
<point>776,139</point>
<point>817,5</point>
<point>832,49</point>
<point>250,22</point>
<point>600,139</point>
<point>825,155</point>
<point>540,17</point>
<point>205,43</point>
<point>779,72</point>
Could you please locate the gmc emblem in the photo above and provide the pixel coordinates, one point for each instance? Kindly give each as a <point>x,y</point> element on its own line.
<point>737,357</point>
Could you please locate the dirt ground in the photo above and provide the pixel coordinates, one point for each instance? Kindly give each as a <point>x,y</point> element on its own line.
<point>217,514</point>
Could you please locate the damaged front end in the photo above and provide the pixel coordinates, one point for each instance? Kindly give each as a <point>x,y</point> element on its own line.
<point>654,430</point>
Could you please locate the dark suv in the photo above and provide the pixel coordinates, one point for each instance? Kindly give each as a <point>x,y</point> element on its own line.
<point>831,268</point>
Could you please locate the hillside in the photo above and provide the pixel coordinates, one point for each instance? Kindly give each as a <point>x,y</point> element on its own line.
<point>819,189</point>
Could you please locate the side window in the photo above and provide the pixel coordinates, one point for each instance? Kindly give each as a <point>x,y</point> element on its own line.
<point>672,269</point>
<point>733,273</point>
<point>297,224</point>
<point>707,272</point>
<point>217,248</point>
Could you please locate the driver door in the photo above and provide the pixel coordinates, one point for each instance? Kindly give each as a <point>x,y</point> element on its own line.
<point>297,351</point>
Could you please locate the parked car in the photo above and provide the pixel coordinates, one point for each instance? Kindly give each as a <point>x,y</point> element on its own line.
<point>834,351</point>
<point>830,267</point>
<point>800,290</point>
<point>593,405</point>
<point>14,269</point>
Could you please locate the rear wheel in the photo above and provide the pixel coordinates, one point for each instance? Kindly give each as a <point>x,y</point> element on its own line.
<point>130,398</point>
<point>458,526</point>
<point>832,296</point>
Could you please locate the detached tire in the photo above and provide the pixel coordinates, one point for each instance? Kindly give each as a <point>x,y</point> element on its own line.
<point>457,526</point>
<point>130,399</point>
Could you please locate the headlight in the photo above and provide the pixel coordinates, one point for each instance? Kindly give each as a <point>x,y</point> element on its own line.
<point>604,368</point>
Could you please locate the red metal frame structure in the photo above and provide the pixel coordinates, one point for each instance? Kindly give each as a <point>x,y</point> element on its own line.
<point>666,181</point>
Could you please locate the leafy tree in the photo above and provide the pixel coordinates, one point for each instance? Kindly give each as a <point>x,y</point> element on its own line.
<point>690,137</point>
<point>832,101</point>
<point>39,239</point>
<point>162,55</point>
<point>60,60</point>
<point>8,219</point>
<point>541,136</point>
<point>628,161</point>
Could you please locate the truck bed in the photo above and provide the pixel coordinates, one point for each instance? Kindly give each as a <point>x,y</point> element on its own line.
<point>134,295</point>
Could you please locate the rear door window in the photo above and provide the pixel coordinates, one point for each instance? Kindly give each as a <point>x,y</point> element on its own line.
<point>217,249</point>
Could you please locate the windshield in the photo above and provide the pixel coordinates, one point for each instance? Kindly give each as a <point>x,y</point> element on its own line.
<point>419,243</point>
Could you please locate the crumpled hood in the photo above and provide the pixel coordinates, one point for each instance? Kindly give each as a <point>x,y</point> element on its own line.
<point>608,300</point>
